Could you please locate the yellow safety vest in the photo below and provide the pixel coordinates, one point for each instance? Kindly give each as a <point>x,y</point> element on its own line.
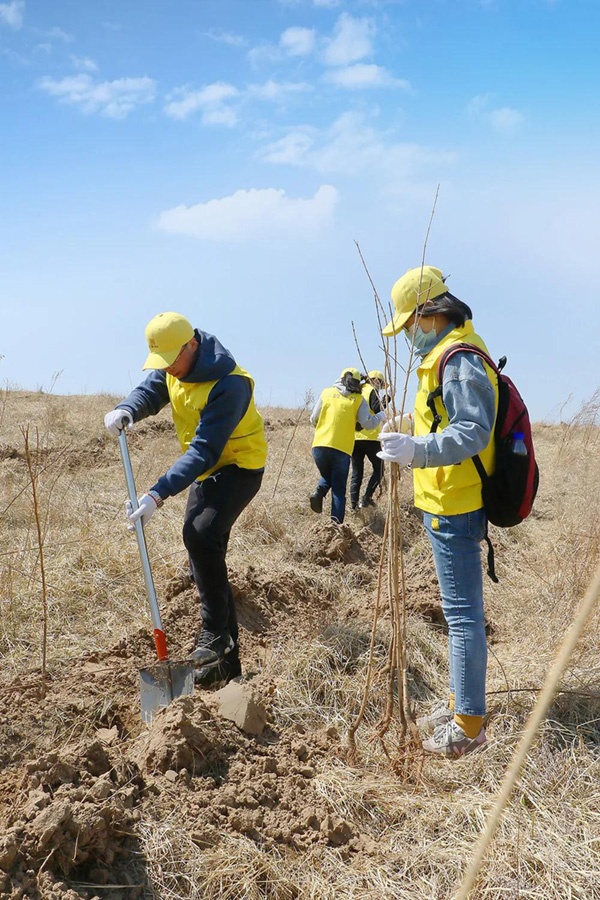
<point>364,434</point>
<point>337,420</point>
<point>448,490</point>
<point>247,446</point>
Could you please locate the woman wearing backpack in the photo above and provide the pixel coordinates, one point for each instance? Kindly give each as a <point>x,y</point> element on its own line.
<point>448,488</point>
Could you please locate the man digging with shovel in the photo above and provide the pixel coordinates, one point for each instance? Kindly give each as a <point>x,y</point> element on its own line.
<point>224,449</point>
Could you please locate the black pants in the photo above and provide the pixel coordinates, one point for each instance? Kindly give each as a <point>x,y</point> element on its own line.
<point>369,449</point>
<point>213,506</point>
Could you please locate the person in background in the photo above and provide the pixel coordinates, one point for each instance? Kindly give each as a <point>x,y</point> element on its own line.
<point>366,443</point>
<point>448,488</point>
<point>224,451</point>
<point>334,416</point>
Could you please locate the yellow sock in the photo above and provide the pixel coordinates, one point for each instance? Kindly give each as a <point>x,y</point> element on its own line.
<point>471,725</point>
<point>451,702</point>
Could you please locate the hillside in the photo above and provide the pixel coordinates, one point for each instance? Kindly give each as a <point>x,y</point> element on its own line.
<point>96,805</point>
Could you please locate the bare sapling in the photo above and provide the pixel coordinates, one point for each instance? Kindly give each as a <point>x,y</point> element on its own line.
<point>398,705</point>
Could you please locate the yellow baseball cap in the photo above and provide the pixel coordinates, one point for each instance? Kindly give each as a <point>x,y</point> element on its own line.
<point>416,287</point>
<point>166,334</point>
<point>353,372</point>
<point>375,375</point>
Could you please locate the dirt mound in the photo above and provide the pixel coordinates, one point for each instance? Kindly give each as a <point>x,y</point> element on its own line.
<point>262,789</point>
<point>183,736</point>
<point>331,543</point>
<point>72,815</point>
<point>267,600</point>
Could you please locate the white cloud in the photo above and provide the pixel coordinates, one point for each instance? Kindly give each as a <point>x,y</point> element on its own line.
<point>14,57</point>
<point>211,101</point>
<point>277,91</point>
<point>292,42</point>
<point>502,119</point>
<point>325,4</point>
<point>506,119</point>
<point>253,215</point>
<point>264,53</point>
<point>84,63</point>
<point>352,41</point>
<point>214,101</point>
<point>59,35</point>
<point>364,75</point>
<point>298,41</point>
<point>225,37</point>
<point>350,146</point>
<point>11,14</point>
<point>292,150</point>
<point>477,105</point>
<point>114,99</point>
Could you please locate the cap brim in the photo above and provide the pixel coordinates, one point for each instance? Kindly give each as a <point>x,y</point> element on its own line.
<point>161,361</point>
<point>397,323</point>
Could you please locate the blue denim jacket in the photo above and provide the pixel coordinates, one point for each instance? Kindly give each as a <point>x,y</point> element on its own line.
<point>470,402</point>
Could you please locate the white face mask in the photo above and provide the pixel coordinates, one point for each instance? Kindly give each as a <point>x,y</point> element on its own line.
<point>422,341</point>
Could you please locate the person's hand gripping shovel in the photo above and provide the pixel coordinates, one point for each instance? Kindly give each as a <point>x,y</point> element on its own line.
<point>163,682</point>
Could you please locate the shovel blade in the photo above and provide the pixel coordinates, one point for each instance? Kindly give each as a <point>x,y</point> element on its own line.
<point>161,684</point>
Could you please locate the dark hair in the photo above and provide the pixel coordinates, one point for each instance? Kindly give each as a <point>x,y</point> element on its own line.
<point>351,384</point>
<point>450,306</point>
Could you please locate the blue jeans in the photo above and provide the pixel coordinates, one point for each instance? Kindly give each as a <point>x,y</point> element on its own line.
<point>334,467</point>
<point>456,550</point>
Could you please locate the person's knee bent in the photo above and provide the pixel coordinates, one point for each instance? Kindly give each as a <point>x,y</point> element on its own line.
<point>201,537</point>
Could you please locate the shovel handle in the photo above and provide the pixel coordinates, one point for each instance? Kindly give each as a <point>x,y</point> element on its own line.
<point>161,645</point>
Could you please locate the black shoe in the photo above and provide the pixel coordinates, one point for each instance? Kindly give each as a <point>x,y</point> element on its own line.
<point>366,501</point>
<point>316,502</point>
<point>221,673</point>
<point>212,649</point>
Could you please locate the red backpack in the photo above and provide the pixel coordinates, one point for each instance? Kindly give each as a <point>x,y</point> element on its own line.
<point>508,493</point>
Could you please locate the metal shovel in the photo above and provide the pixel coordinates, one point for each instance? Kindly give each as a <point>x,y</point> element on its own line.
<point>163,682</point>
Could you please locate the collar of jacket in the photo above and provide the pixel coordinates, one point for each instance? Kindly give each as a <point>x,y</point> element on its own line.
<point>458,334</point>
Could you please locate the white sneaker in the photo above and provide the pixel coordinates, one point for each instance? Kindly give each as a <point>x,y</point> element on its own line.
<point>451,741</point>
<point>439,714</point>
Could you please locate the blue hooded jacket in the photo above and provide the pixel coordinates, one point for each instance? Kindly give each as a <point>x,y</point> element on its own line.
<point>227,404</point>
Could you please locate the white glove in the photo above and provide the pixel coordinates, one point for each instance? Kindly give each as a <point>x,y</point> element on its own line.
<point>397,447</point>
<point>403,423</point>
<point>113,420</point>
<point>147,506</point>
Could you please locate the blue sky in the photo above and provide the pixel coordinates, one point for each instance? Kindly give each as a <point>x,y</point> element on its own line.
<point>220,157</point>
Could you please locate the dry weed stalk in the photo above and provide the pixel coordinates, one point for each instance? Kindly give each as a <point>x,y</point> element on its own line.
<point>307,401</point>
<point>409,749</point>
<point>33,467</point>
<point>539,711</point>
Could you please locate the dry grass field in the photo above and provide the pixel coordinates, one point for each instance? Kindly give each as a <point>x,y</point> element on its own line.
<point>93,804</point>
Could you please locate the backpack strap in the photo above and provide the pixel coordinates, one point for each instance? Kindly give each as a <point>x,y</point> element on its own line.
<point>431,398</point>
<point>452,350</point>
<point>437,392</point>
<point>491,569</point>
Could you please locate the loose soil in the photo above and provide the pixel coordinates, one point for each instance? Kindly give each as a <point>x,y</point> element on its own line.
<point>80,770</point>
